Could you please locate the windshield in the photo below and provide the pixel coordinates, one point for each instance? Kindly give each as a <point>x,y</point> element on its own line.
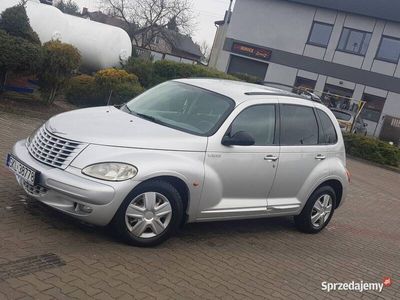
<point>341,115</point>
<point>183,107</point>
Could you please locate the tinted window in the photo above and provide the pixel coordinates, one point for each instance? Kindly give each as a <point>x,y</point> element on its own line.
<point>354,41</point>
<point>320,34</point>
<point>259,122</point>
<point>298,125</point>
<point>328,132</point>
<point>389,49</point>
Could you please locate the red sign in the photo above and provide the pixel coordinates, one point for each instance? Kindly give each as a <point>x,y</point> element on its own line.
<point>251,51</point>
<point>387,281</point>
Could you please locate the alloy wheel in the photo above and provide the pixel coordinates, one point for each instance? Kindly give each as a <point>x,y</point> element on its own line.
<point>321,210</point>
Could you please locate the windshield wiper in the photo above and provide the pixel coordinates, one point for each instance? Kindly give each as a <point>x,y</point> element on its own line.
<point>147,117</point>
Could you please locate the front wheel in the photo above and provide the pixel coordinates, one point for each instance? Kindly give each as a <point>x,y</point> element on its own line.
<point>150,214</point>
<point>318,210</point>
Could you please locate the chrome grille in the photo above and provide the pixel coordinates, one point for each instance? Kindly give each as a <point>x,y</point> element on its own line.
<point>53,150</point>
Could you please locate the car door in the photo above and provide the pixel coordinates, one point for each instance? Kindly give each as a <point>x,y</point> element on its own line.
<point>300,159</point>
<point>239,178</point>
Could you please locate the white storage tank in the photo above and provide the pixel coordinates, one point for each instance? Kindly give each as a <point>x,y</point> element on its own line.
<point>100,45</point>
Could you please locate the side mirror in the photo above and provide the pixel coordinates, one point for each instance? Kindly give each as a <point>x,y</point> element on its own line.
<point>240,138</point>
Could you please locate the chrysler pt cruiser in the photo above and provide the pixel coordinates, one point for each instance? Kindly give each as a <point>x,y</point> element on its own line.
<point>188,150</point>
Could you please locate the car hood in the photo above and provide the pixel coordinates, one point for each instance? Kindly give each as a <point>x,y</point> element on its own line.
<point>113,127</point>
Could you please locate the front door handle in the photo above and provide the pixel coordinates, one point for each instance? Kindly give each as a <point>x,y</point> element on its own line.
<point>271,158</point>
<point>320,157</point>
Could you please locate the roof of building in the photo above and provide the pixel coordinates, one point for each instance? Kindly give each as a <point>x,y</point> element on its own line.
<point>235,90</point>
<point>381,9</point>
<point>184,43</point>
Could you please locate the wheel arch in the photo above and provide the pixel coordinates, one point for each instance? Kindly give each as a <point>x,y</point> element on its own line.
<point>337,187</point>
<point>180,186</point>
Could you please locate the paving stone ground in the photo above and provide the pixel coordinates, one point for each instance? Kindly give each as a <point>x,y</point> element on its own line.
<point>255,259</point>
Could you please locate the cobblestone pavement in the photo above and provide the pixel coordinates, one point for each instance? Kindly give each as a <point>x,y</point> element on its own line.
<point>45,255</point>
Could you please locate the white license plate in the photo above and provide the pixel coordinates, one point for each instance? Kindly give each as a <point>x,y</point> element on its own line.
<point>21,170</point>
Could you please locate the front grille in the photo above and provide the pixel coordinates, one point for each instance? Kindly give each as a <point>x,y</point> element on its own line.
<point>53,150</point>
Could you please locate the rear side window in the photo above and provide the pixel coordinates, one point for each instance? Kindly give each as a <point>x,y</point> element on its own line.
<point>328,132</point>
<point>298,125</point>
<point>259,122</point>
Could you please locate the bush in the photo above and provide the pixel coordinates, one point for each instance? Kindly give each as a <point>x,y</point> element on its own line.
<point>82,91</point>
<point>121,85</point>
<point>166,70</point>
<point>371,149</point>
<point>143,68</point>
<point>85,90</point>
<point>247,78</point>
<point>15,22</point>
<point>60,60</point>
<point>18,55</point>
<point>151,74</point>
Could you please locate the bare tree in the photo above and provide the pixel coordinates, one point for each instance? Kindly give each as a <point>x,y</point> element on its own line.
<point>146,19</point>
<point>206,51</point>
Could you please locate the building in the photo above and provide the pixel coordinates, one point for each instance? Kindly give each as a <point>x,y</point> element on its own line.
<point>347,49</point>
<point>167,43</point>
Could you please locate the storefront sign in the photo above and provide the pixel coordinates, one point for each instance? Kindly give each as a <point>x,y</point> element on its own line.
<point>251,51</point>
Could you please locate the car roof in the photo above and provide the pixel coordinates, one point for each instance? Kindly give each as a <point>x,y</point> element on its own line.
<point>238,91</point>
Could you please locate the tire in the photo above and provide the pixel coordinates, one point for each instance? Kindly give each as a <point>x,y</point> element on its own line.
<point>304,221</point>
<point>140,223</point>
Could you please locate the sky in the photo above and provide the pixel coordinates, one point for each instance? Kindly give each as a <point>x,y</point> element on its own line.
<point>206,12</point>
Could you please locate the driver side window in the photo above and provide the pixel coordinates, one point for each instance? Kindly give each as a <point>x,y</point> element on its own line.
<point>258,121</point>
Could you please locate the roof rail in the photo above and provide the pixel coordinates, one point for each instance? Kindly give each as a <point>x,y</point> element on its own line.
<point>292,95</point>
<point>306,94</point>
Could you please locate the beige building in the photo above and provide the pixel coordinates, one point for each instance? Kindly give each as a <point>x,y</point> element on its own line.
<point>349,48</point>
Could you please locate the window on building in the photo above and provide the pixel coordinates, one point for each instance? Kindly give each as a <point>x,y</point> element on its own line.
<point>259,122</point>
<point>320,34</point>
<point>354,41</point>
<point>328,133</point>
<point>389,49</point>
<point>298,125</point>
<point>373,107</point>
<point>241,65</point>
<point>302,85</point>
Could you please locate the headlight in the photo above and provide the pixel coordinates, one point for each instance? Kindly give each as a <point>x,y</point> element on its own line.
<point>111,171</point>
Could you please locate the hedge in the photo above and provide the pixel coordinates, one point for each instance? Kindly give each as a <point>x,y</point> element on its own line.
<point>86,90</point>
<point>151,74</point>
<point>372,149</point>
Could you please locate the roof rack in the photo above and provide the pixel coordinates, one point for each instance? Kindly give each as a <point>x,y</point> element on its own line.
<point>306,94</point>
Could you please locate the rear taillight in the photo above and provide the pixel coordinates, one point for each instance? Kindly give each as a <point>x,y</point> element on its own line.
<point>348,175</point>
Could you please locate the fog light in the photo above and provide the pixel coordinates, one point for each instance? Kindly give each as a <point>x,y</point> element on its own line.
<point>83,208</point>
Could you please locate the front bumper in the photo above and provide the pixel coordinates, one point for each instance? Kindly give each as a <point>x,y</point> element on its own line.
<point>93,201</point>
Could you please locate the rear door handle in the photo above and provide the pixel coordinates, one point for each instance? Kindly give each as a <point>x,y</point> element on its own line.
<point>320,157</point>
<point>271,158</point>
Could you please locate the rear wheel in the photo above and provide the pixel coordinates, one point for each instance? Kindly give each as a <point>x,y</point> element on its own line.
<point>150,214</point>
<point>318,211</point>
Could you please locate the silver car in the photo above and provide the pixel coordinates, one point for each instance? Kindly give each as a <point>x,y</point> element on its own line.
<point>188,150</point>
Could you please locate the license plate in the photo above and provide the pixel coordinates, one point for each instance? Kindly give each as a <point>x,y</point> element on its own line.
<point>22,170</point>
